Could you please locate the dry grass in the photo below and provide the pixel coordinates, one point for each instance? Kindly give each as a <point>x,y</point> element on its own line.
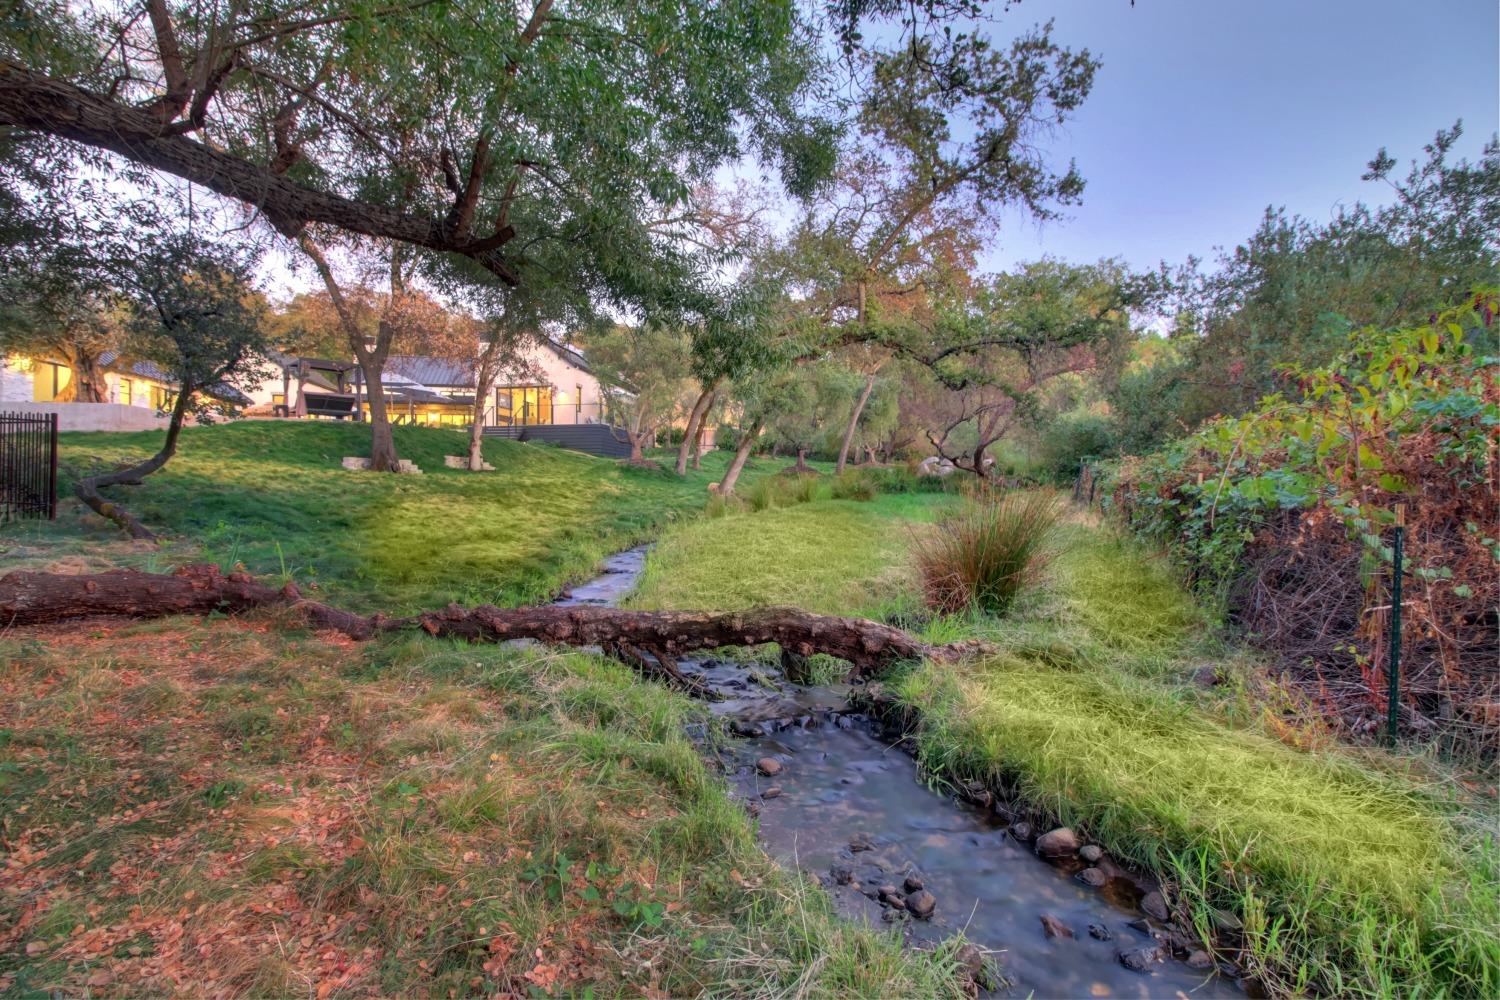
<point>235,808</point>
<point>981,555</point>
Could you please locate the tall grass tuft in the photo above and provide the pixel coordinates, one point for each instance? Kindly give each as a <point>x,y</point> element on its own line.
<point>855,484</point>
<point>984,553</point>
<point>803,488</point>
<point>765,494</point>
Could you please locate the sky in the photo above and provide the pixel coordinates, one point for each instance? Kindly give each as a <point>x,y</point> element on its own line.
<point>1207,111</point>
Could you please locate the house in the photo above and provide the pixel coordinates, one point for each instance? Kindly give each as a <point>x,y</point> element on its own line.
<point>137,393</point>
<point>560,389</point>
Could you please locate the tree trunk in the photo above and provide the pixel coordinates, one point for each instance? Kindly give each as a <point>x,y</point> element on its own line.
<point>484,381</point>
<point>33,598</point>
<point>698,439</point>
<point>801,465</point>
<point>859,408</point>
<point>382,444</point>
<point>371,360</point>
<point>741,455</point>
<point>695,417</point>
<point>87,489</point>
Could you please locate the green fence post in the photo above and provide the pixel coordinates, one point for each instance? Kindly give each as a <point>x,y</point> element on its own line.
<point>1393,674</point>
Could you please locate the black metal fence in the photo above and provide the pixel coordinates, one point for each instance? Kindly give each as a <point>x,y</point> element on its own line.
<point>28,465</point>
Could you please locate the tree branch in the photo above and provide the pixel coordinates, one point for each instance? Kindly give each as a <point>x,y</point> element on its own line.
<point>33,101</point>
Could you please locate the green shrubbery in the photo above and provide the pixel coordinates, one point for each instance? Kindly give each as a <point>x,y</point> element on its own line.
<point>1287,511</point>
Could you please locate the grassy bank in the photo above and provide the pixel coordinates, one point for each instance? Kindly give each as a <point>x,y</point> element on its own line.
<point>238,808</point>
<point>1345,874</point>
<point>830,556</point>
<point>272,495</point>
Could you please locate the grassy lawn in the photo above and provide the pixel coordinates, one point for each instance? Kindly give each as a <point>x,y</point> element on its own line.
<point>272,495</point>
<point>278,812</point>
<point>237,808</point>
<point>1346,875</point>
<point>830,556</point>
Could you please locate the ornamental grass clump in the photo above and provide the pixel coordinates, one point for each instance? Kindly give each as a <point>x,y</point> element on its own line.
<point>983,554</point>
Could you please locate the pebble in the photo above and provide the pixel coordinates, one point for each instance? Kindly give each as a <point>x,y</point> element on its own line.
<point>1154,905</point>
<point>1092,877</point>
<point>769,766</point>
<point>1140,959</point>
<point>1200,960</point>
<point>1099,932</point>
<point>861,842</point>
<point>914,883</point>
<point>1054,927</point>
<point>1092,853</point>
<point>1021,830</point>
<point>774,791</point>
<point>921,903</point>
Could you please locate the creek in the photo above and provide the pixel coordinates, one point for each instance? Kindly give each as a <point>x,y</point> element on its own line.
<point>837,799</point>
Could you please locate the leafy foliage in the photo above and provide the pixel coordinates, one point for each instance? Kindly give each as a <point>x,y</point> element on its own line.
<point>1405,416</point>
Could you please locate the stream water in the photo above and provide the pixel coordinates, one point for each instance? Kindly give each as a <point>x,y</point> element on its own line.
<point>851,808</point>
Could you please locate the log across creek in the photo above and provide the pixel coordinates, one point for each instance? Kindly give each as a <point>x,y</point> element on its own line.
<point>652,641</point>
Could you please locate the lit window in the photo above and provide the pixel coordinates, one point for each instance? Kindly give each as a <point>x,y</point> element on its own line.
<point>49,380</point>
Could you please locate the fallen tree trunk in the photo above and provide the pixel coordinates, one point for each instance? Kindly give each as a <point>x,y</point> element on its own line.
<point>34,598</point>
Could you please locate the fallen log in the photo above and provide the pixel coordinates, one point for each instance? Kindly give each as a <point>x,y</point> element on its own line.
<point>35,598</point>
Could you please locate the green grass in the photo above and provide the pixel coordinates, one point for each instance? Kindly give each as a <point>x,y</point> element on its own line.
<point>1348,874</point>
<point>830,556</point>
<point>1351,872</point>
<point>272,495</point>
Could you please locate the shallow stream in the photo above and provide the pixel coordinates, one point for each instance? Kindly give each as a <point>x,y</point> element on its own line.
<point>851,808</point>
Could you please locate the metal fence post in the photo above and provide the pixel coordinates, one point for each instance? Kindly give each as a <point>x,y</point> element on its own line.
<point>1393,674</point>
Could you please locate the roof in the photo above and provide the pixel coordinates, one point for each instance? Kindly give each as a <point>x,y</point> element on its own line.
<point>567,353</point>
<point>431,371</point>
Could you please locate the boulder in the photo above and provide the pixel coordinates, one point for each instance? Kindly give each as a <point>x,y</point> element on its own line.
<point>462,462</point>
<point>1091,853</point>
<point>913,883</point>
<point>932,465</point>
<point>921,903</point>
<point>1058,844</point>
<point>1100,932</point>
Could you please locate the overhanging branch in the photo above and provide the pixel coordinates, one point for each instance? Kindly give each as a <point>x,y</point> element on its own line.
<point>34,101</point>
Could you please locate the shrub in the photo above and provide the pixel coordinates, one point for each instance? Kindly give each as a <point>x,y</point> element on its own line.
<point>984,553</point>
<point>1288,511</point>
<point>766,493</point>
<point>854,484</point>
<point>802,488</point>
<point>1072,440</point>
<point>719,505</point>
